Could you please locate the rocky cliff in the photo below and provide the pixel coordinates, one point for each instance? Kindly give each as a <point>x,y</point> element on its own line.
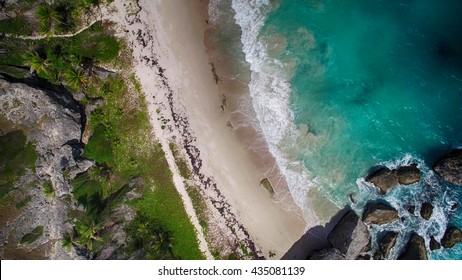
<point>50,120</point>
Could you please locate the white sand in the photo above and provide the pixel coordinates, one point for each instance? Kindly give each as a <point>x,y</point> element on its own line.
<point>177,29</point>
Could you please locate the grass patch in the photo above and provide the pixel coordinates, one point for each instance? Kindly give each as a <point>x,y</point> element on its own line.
<point>17,25</point>
<point>23,202</point>
<point>32,236</point>
<point>199,205</point>
<point>16,155</point>
<point>180,162</point>
<point>48,190</point>
<point>13,71</point>
<point>165,204</point>
<point>99,147</point>
<point>267,185</point>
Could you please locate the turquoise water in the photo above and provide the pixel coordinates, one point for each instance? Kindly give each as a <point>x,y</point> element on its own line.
<point>365,83</point>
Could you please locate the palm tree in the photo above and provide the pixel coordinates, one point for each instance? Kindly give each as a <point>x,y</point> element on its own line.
<point>163,243</point>
<point>37,63</point>
<point>48,17</point>
<point>76,78</point>
<point>87,233</point>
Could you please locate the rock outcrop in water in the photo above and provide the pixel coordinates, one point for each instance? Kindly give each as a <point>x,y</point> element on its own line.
<point>387,243</point>
<point>415,249</point>
<point>380,214</point>
<point>386,179</point>
<point>434,245</point>
<point>350,236</point>
<point>426,210</point>
<point>449,167</point>
<point>451,237</point>
<point>52,121</point>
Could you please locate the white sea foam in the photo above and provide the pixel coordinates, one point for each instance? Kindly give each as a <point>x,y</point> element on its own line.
<point>270,92</point>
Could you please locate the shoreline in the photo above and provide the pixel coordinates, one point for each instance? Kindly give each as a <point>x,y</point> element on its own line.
<point>183,100</point>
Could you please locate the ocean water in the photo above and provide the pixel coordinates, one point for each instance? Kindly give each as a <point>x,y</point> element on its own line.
<point>339,87</point>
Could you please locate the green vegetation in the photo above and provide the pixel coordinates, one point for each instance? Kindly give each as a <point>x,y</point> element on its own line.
<point>150,239</point>
<point>180,162</point>
<point>23,202</point>
<point>121,143</point>
<point>32,236</point>
<point>18,25</point>
<point>99,147</point>
<point>16,72</point>
<point>16,155</point>
<point>48,190</point>
<point>199,205</point>
<point>267,185</point>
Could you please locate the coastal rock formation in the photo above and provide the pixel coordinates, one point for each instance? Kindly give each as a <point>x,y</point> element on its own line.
<point>449,167</point>
<point>350,236</point>
<point>426,210</point>
<point>386,179</point>
<point>451,237</point>
<point>387,243</point>
<point>50,120</point>
<point>328,254</point>
<point>380,214</point>
<point>434,245</point>
<point>415,249</point>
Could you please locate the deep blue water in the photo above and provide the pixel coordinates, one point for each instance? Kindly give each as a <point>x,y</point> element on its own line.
<point>367,82</point>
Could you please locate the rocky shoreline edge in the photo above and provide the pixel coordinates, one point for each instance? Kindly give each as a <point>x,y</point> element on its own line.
<point>350,239</point>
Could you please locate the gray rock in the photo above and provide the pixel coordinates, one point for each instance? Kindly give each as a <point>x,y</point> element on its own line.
<point>386,179</point>
<point>350,236</point>
<point>104,74</point>
<point>415,249</point>
<point>451,237</point>
<point>426,210</point>
<point>328,254</point>
<point>51,120</point>
<point>380,214</point>
<point>449,167</point>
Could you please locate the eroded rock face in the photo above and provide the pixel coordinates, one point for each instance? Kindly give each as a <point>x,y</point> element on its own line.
<point>387,243</point>
<point>380,214</point>
<point>451,237</point>
<point>52,121</point>
<point>386,179</point>
<point>449,167</point>
<point>350,236</point>
<point>415,249</point>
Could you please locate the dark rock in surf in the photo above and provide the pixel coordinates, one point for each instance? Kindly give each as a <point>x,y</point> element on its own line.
<point>415,249</point>
<point>380,214</point>
<point>387,243</point>
<point>434,245</point>
<point>386,179</point>
<point>451,237</point>
<point>426,210</point>
<point>411,210</point>
<point>408,175</point>
<point>449,167</point>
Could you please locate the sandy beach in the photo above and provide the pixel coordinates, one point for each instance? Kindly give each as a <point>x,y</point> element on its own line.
<point>184,102</point>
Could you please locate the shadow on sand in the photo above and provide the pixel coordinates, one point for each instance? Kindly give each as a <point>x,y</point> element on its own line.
<point>314,239</point>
